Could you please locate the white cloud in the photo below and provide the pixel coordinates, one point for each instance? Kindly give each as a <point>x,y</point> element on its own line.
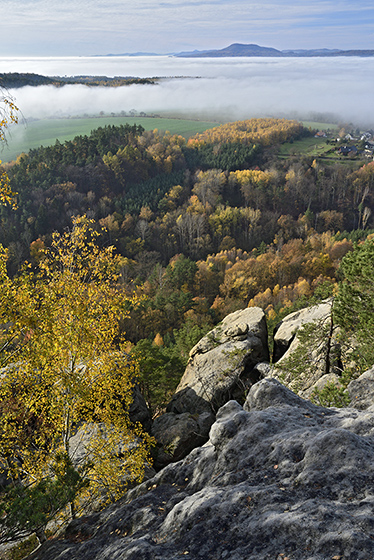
<point>89,26</point>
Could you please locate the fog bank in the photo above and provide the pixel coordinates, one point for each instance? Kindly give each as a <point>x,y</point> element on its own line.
<point>224,89</point>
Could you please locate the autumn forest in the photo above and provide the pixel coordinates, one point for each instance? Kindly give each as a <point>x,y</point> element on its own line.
<point>202,227</point>
<point>119,251</point>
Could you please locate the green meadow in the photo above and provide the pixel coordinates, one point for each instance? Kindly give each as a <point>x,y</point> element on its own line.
<point>26,136</point>
<point>306,146</point>
<point>320,125</point>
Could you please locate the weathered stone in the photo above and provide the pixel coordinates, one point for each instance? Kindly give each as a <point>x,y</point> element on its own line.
<point>178,434</point>
<point>138,411</point>
<point>220,365</point>
<point>285,331</point>
<point>262,370</point>
<point>279,478</point>
<point>320,384</point>
<point>310,373</point>
<point>308,365</point>
<point>361,390</point>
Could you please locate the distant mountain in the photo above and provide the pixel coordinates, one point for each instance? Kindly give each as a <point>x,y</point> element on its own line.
<point>316,52</point>
<point>130,54</point>
<point>236,49</point>
<point>329,52</point>
<point>239,49</point>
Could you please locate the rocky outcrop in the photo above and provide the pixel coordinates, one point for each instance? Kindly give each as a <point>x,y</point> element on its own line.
<point>279,478</point>
<point>307,366</point>
<point>361,390</point>
<point>220,365</point>
<point>285,332</point>
<point>223,365</point>
<point>178,434</point>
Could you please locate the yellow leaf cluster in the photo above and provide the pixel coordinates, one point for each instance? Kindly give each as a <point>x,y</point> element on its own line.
<point>66,367</point>
<point>251,131</point>
<point>7,196</point>
<point>8,115</point>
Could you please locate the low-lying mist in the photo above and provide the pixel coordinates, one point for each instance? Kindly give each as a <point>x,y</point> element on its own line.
<point>227,89</point>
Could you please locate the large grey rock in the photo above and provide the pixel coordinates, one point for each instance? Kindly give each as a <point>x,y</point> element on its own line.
<point>285,331</point>
<point>178,434</point>
<point>309,371</point>
<point>220,365</point>
<point>329,379</point>
<point>361,390</point>
<point>307,366</point>
<point>279,478</point>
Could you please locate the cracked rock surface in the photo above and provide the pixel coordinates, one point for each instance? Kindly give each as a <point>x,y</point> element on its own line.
<point>278,478</point>
<point>220,365</point>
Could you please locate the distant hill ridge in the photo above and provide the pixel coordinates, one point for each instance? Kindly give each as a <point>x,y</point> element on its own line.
<point>17,80</point>
<point>239,49</point>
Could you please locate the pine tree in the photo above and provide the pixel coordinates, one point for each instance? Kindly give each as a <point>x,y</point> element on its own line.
<point>354,305</point>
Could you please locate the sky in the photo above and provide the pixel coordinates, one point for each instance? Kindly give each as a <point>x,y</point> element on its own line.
<point>100,27</point>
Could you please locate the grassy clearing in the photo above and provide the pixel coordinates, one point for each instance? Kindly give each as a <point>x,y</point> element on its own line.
<point>319,125</point>
<point>25,137</point>
<point>315,147</point>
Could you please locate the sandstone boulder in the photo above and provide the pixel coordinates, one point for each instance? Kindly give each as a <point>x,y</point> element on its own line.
<point>361,390</point>
<point>221,364</point>
<point>279,478</point>
<point>178,434</point>
<point>285,332</point>
<point>306,366</point>
<point>322,382</point>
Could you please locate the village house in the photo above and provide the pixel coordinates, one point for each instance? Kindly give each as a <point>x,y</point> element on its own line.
<point>348,150</point>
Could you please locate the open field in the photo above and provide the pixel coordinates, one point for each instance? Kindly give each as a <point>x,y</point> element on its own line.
<point>320,125</point>
<point>316,147</point>
<point>45,132</point>
<point>25,137</point>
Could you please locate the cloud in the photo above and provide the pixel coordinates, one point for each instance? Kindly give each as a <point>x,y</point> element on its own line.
<point>98,27</point>
<point>226,89</point>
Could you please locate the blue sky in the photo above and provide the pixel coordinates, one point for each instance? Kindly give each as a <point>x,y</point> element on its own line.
<point>89,27</point>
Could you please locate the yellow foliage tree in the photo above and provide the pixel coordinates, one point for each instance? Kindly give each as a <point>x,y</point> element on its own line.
<point>66,389</point>
<point>8,116</point>
<point>7,196</point>
<point>253,183</point>
<point>263,131</point>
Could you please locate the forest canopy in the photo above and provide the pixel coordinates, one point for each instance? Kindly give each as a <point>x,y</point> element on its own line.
<point>126,247</point>
<point>249,223</point>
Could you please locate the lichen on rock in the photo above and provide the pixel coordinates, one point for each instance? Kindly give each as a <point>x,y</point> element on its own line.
<point>278,476</point>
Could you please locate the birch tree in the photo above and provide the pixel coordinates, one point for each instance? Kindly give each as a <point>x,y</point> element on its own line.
<point>67,378</point>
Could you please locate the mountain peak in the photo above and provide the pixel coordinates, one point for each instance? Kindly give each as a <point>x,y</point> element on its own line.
<point>235,49</point>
